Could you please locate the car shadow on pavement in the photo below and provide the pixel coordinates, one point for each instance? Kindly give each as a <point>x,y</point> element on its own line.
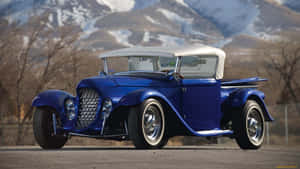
<point>94,148</point>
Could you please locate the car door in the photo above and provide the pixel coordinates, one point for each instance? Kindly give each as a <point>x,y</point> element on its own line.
<point>200,92</point>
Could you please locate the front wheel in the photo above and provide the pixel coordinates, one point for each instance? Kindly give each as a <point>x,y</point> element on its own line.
<point>249,126</point>
<point>43,129</point>
<point>146,125</point>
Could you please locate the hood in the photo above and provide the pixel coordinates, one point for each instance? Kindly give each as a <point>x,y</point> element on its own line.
<point>104,82</point>
<point>98,82</point>
<point>115,87</point>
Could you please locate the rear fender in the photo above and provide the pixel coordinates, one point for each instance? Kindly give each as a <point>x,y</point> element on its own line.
<point>240,97</point>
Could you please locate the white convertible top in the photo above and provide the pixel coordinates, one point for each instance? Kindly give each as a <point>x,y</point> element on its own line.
<point>173,51</point>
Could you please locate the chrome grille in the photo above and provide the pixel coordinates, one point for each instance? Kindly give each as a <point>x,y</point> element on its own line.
<point>87,109</point>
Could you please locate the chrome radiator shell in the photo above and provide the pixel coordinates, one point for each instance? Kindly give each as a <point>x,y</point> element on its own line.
<point>89,104</point>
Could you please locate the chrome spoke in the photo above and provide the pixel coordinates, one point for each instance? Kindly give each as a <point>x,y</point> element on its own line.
<point>255,126</point>
<point>152,123</point>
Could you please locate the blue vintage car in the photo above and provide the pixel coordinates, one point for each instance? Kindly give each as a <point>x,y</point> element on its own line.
<point>150,94</point>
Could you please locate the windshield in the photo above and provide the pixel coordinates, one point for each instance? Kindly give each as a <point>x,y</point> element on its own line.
<point>140,64</point>
<point>195,67</point>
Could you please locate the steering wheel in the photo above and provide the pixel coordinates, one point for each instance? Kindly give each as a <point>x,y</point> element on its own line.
<point>171,72</point>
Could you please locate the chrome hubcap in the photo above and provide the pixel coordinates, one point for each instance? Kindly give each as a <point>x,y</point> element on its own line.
<point>152,124</point>
<point>255,127</point>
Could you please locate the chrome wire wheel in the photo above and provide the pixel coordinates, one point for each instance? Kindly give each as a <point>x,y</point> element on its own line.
<point>255,127</point>
<point>153,123</point>
<point>147,126</point>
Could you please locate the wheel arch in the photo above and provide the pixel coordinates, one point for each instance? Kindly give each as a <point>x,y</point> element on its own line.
<point>267,115</point>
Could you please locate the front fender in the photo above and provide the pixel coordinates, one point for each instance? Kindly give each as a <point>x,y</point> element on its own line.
<point>52,98</point>
<point>240,97</point>
<point>138,96</point>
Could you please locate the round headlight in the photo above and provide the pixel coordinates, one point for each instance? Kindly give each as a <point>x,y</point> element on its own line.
<point>70,109</point>
<point>106,108</point>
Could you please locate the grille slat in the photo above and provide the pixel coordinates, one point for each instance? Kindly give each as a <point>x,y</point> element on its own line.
<point>88,103</point>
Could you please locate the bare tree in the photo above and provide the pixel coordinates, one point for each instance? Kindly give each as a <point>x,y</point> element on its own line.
<point>53,51</point>
<point>29,59</point>
<point>22,66</point>
<point>283,60</point>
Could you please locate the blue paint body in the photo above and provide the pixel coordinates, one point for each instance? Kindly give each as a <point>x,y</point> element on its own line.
<point>196,102</point>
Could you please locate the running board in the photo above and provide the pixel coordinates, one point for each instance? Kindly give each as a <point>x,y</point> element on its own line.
<point>215,132</point>
<point>117,136</point>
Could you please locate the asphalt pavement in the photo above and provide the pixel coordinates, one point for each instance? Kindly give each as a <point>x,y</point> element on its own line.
<point>184,157</point>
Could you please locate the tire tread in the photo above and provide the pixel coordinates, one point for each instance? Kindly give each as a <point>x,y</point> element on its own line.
<point>41,130</point>
<point>239,126</point>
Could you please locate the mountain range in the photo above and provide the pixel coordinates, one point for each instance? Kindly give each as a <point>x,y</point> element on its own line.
<point>111,24</point>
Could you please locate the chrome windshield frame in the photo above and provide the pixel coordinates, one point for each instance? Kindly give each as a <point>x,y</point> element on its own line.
<point>178,64</point>
<point>105,66</point>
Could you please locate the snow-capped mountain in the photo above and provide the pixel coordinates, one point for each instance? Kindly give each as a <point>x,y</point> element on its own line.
<point>126,5</point>
<point>293,4</point>
<point>108,24</point>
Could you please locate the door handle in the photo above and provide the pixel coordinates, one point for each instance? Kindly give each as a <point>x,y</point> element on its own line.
<point>184,89</point>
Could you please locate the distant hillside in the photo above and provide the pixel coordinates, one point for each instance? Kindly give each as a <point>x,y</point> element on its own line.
<point>110,24</point>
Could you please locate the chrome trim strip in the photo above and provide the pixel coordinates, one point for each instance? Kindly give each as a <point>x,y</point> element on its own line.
<point>54,123</point>
<point>126,129</point>
<point>103,125</point>
<point>248,86</point>
<point>206,132</point>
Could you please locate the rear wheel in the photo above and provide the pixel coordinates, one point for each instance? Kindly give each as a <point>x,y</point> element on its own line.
<point>146,125</point>
<point>43,129</point>
<point>249,126</point>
